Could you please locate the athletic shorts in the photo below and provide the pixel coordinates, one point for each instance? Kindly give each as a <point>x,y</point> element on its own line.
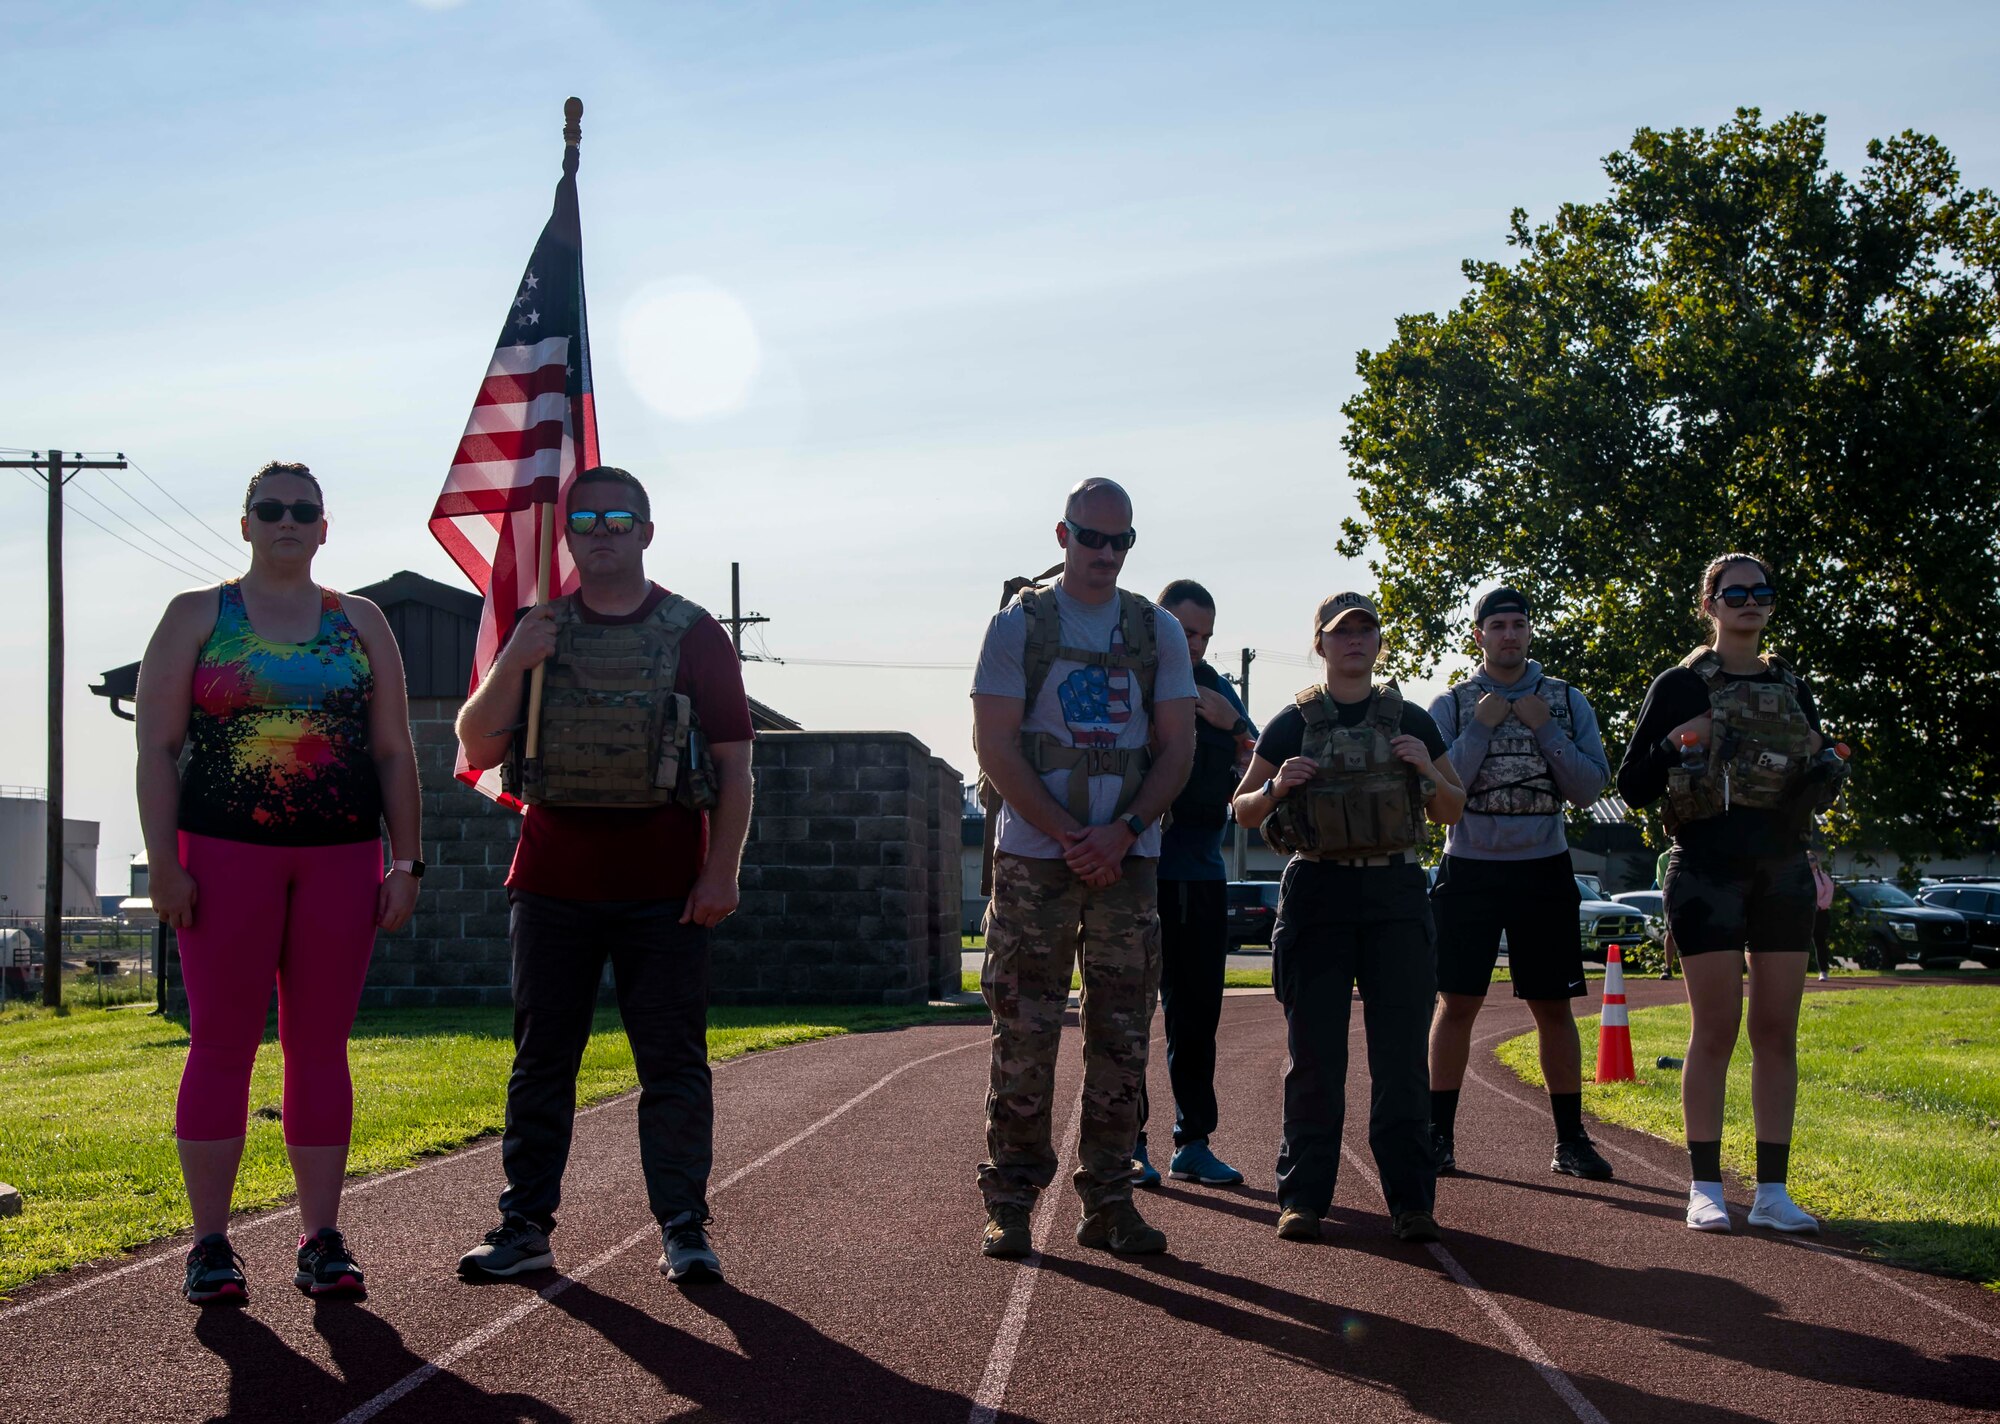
<point>1759,906</point>
<point>1534,901</point>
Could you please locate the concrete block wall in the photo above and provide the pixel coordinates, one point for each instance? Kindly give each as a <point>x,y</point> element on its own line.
<point>837,876</point>
<point>942,820</point>
<point>454,951</point>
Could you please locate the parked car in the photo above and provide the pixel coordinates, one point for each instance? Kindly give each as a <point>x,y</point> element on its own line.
<point>1896,927</point>
<point>1605,921</point>
<point>1253,910</point>
<point>1979,904</point>
<point>1653,905</point>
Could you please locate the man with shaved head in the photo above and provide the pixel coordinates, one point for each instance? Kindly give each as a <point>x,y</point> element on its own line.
<point>1083,708</point>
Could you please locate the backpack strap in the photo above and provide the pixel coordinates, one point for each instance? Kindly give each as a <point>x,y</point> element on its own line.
<point>1044,638</point>
<point>1138,618</point>
<point>1311,702</point>
<point>1387,711</point>
<point>1464,699</point>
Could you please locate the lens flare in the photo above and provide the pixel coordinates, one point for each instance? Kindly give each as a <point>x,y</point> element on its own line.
<point>689,349</point>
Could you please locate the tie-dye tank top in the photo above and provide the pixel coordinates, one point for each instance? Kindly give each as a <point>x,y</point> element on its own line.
<point>278,734</point>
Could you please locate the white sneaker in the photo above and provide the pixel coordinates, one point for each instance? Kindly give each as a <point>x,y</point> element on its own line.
<point>1707,1211</point>
<point>1775,1208</point>
<point>1823,976</point>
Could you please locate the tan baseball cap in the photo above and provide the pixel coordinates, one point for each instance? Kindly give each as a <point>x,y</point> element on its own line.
<point>1337,606</point>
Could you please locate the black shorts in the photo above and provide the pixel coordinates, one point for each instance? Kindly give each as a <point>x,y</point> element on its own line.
<point>1761,906</point>
<point>1534,901</point>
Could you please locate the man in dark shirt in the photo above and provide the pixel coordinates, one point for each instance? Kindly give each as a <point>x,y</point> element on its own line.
<point>1194,905</point>
<point>643,884</point>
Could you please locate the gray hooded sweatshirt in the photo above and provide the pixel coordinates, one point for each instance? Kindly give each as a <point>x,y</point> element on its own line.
<point>1578,765</point>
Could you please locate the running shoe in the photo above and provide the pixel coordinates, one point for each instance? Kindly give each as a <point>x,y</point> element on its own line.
<point>514,1246</point>
<point>1578,1157</point>
<point>1442,1149</point>
<point>1149,1175</point>
<point>215,1273</point>
<point>1775,1209</point>
<point>1707,1211</point>
<point>687,1259</point>
<point>1415,1226</point>
<point>1006,1235</point>
<point>327,1269</point>
<point>1195,1163</point>
<point>1119,1228</point>
<point>1295,1223</point>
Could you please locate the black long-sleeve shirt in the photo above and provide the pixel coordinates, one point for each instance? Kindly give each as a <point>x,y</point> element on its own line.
<point>1679,695</point>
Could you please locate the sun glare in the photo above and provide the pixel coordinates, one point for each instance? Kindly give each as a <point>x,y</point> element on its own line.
<point>689,349</point>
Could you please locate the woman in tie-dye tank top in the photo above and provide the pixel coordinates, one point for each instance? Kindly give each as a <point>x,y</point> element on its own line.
<point>265,847</point>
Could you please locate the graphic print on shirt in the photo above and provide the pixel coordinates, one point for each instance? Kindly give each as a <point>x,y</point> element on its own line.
<point>1097,701</point>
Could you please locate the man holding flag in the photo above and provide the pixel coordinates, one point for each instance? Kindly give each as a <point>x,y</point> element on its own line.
<point>614,711</point>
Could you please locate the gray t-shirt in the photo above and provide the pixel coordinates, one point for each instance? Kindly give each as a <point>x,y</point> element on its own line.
<point>1082,705</point>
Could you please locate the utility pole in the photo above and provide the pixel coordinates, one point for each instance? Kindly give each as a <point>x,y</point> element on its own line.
<point>738,620</point>
<point>1242,835</point>
<point>57,472</point>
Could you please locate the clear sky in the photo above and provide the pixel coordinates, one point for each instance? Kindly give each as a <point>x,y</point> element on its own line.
<point>870,285</point>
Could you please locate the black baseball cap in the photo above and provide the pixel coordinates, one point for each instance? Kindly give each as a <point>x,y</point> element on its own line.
<point>1500,600</point>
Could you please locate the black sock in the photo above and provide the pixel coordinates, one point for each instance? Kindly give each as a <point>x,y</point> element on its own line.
<point>1706,1160</point>
<point>1444,1109</point>
<point>1568,1108</point>
<point>1773,1158</point>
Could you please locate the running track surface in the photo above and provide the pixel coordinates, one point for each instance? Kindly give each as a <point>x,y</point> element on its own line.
<point>848,1221</point>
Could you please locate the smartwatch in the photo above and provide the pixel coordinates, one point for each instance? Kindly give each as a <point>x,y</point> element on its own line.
<point>412,868</point>
<point>1270,789</point>
<point>1133,824</point>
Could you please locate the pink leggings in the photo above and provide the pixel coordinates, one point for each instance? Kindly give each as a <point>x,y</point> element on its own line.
<point>304,916</point>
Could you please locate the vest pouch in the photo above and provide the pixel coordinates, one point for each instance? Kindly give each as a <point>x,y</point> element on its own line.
<point>1692,796</point>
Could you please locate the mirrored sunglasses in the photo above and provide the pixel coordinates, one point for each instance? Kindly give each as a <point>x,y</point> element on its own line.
<point>616,521</point>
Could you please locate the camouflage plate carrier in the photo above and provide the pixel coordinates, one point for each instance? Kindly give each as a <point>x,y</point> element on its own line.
<point>1366,801</point>
<point>1758,751</point>
<point>1046,752</point>
<point>614,731</point>
<point>1515,780</point>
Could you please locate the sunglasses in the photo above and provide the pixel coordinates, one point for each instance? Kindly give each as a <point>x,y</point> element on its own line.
<point>616,521</point>
<point>1738,594</point>
<point>303,511</point>
<point>1097,539</point>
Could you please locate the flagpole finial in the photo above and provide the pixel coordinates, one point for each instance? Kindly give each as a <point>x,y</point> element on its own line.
<point>572,125</point>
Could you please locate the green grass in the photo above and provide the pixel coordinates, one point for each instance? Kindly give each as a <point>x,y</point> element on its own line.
<point>1898,1134</point>
<point>86,1108</point>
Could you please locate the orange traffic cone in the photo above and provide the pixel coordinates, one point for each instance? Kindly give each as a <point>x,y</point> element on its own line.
<point>1614,1030</point>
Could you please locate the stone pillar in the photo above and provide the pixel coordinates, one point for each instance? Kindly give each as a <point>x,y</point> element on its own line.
<point>944,817</point>
<point>836,876</point>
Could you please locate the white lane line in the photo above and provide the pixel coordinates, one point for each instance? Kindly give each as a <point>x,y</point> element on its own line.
<point>491,1331</point>
<point>1662,1175</point>
<point>1014,1320</point>
<point>1524,1343</point>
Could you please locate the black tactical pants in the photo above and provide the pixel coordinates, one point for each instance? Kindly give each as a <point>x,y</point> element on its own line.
<point>1194,952</point>
<point>1339,926</point>
<point>660,967</point>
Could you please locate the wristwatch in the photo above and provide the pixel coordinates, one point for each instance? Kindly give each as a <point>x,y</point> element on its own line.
<point>1270,789</point>
<point>1133,824</point>
<point>412,868</point>
<point>1242,726</point>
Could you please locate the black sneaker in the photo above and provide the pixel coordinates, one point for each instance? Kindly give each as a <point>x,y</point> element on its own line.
<point>687,1259</point>
<point>1442,1151</point>
<point>327,1269</point>
<point>1579,1157</point>
<point>215,1273</point>
<point>514,1246</point>
<point>1415,1226</point>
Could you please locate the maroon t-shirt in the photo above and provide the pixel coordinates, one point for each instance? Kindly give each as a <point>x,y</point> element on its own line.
<point>641,852</point>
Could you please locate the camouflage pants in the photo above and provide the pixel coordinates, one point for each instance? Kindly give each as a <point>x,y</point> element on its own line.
<point>1040,916</point>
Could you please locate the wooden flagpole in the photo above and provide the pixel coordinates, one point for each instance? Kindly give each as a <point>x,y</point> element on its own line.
<point>545,556</point>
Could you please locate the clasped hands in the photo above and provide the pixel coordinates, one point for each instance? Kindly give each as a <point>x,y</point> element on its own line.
<point>1096,854</point>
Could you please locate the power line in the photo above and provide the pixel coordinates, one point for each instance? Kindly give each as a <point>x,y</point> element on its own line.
<point>869,663</point>
<point>234,546</point>
<point>166,523</point>
<point>156,558</point>
<point>176,554</point>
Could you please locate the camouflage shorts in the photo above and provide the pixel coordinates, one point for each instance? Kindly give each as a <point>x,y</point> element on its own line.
<point>1039,919</point>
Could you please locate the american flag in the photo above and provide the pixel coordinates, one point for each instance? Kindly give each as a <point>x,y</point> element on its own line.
<point>533,426</point>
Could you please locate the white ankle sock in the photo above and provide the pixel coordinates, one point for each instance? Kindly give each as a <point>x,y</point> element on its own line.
<point>1707,1211</point>
<point>1775,1209</point>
